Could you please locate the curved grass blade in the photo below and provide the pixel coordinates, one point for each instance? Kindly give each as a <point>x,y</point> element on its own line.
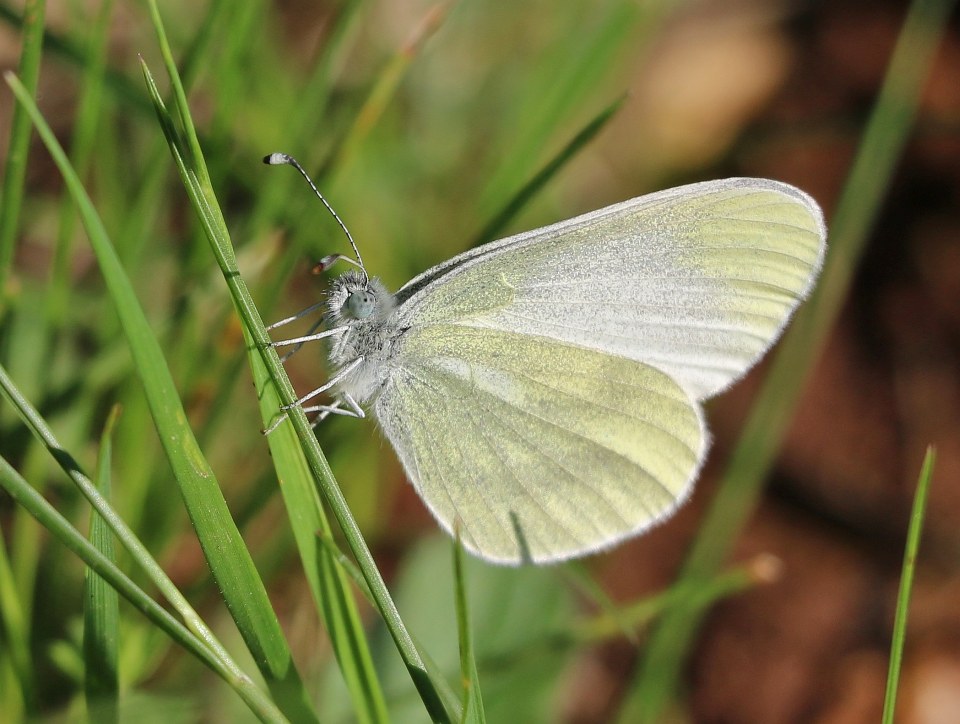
<point>141,556</point>
<point>906,584</point>
<point>328,582</point>
<point>873,167</point>
<point>229,560</point>
<point>193,623</point>
<point>274,390</point>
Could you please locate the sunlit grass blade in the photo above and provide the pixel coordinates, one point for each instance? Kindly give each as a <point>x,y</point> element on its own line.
<point>139,208</point>
<point>274,390</point>
<point>472,701</point>
<point>101,616</point>
<point>229,560</point>
<point>14,171</point>
<point>873,167</point>
<point>329,583</point>
<point>24,494</point>
<point>906,584</point>
<point>39,428</point>
<point>550,169</point>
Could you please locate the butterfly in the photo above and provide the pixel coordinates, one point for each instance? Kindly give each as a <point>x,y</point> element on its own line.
<point>544,392</point>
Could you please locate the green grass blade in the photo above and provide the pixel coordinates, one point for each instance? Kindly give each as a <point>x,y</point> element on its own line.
<point>39,428</point>
<point>24,494</point>
<point>906,584</point>
<point>18,694</point>
<point>229,560</point>
<point>883,143</point>
<point>15,169</point>
<point>101,616</point>
<point>472,701</point>
<point>328,582</point>
<point>274,388</point>
<point>83,138</point>
<point>75,54</point>
<point>496,225</point>
<point>131,543</point>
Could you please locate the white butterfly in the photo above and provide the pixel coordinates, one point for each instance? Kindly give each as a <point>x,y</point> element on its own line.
<point>544,391</point>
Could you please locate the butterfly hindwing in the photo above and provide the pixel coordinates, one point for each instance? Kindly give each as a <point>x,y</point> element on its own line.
<point>539,450</point>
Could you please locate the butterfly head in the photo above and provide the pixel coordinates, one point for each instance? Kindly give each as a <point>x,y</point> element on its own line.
<point>355,297</point>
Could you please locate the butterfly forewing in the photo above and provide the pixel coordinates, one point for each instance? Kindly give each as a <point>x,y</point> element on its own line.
<point>697,281</point>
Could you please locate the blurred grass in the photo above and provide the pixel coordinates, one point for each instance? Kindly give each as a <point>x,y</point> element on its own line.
<point>471,699</point>
<point>15,165</point>
<point>424,122</point>
<point>912,549</point>
<point>884,139</point>
<point>101,609</point>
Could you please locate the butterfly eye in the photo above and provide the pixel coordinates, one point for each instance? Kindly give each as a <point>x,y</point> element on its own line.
<point>361,304</point>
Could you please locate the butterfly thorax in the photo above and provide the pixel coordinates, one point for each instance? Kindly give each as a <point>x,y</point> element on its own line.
<point>366,309</point>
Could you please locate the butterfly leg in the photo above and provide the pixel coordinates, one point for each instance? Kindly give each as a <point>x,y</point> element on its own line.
<point>299,315</point>
<point>352,409</point>
<point>327,385</point>
<point>299,345</point>
<point>310,337</point>
<point>299,341</point>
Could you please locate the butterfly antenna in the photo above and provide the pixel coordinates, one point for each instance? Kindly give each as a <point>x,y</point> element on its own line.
<point>278,159</point>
